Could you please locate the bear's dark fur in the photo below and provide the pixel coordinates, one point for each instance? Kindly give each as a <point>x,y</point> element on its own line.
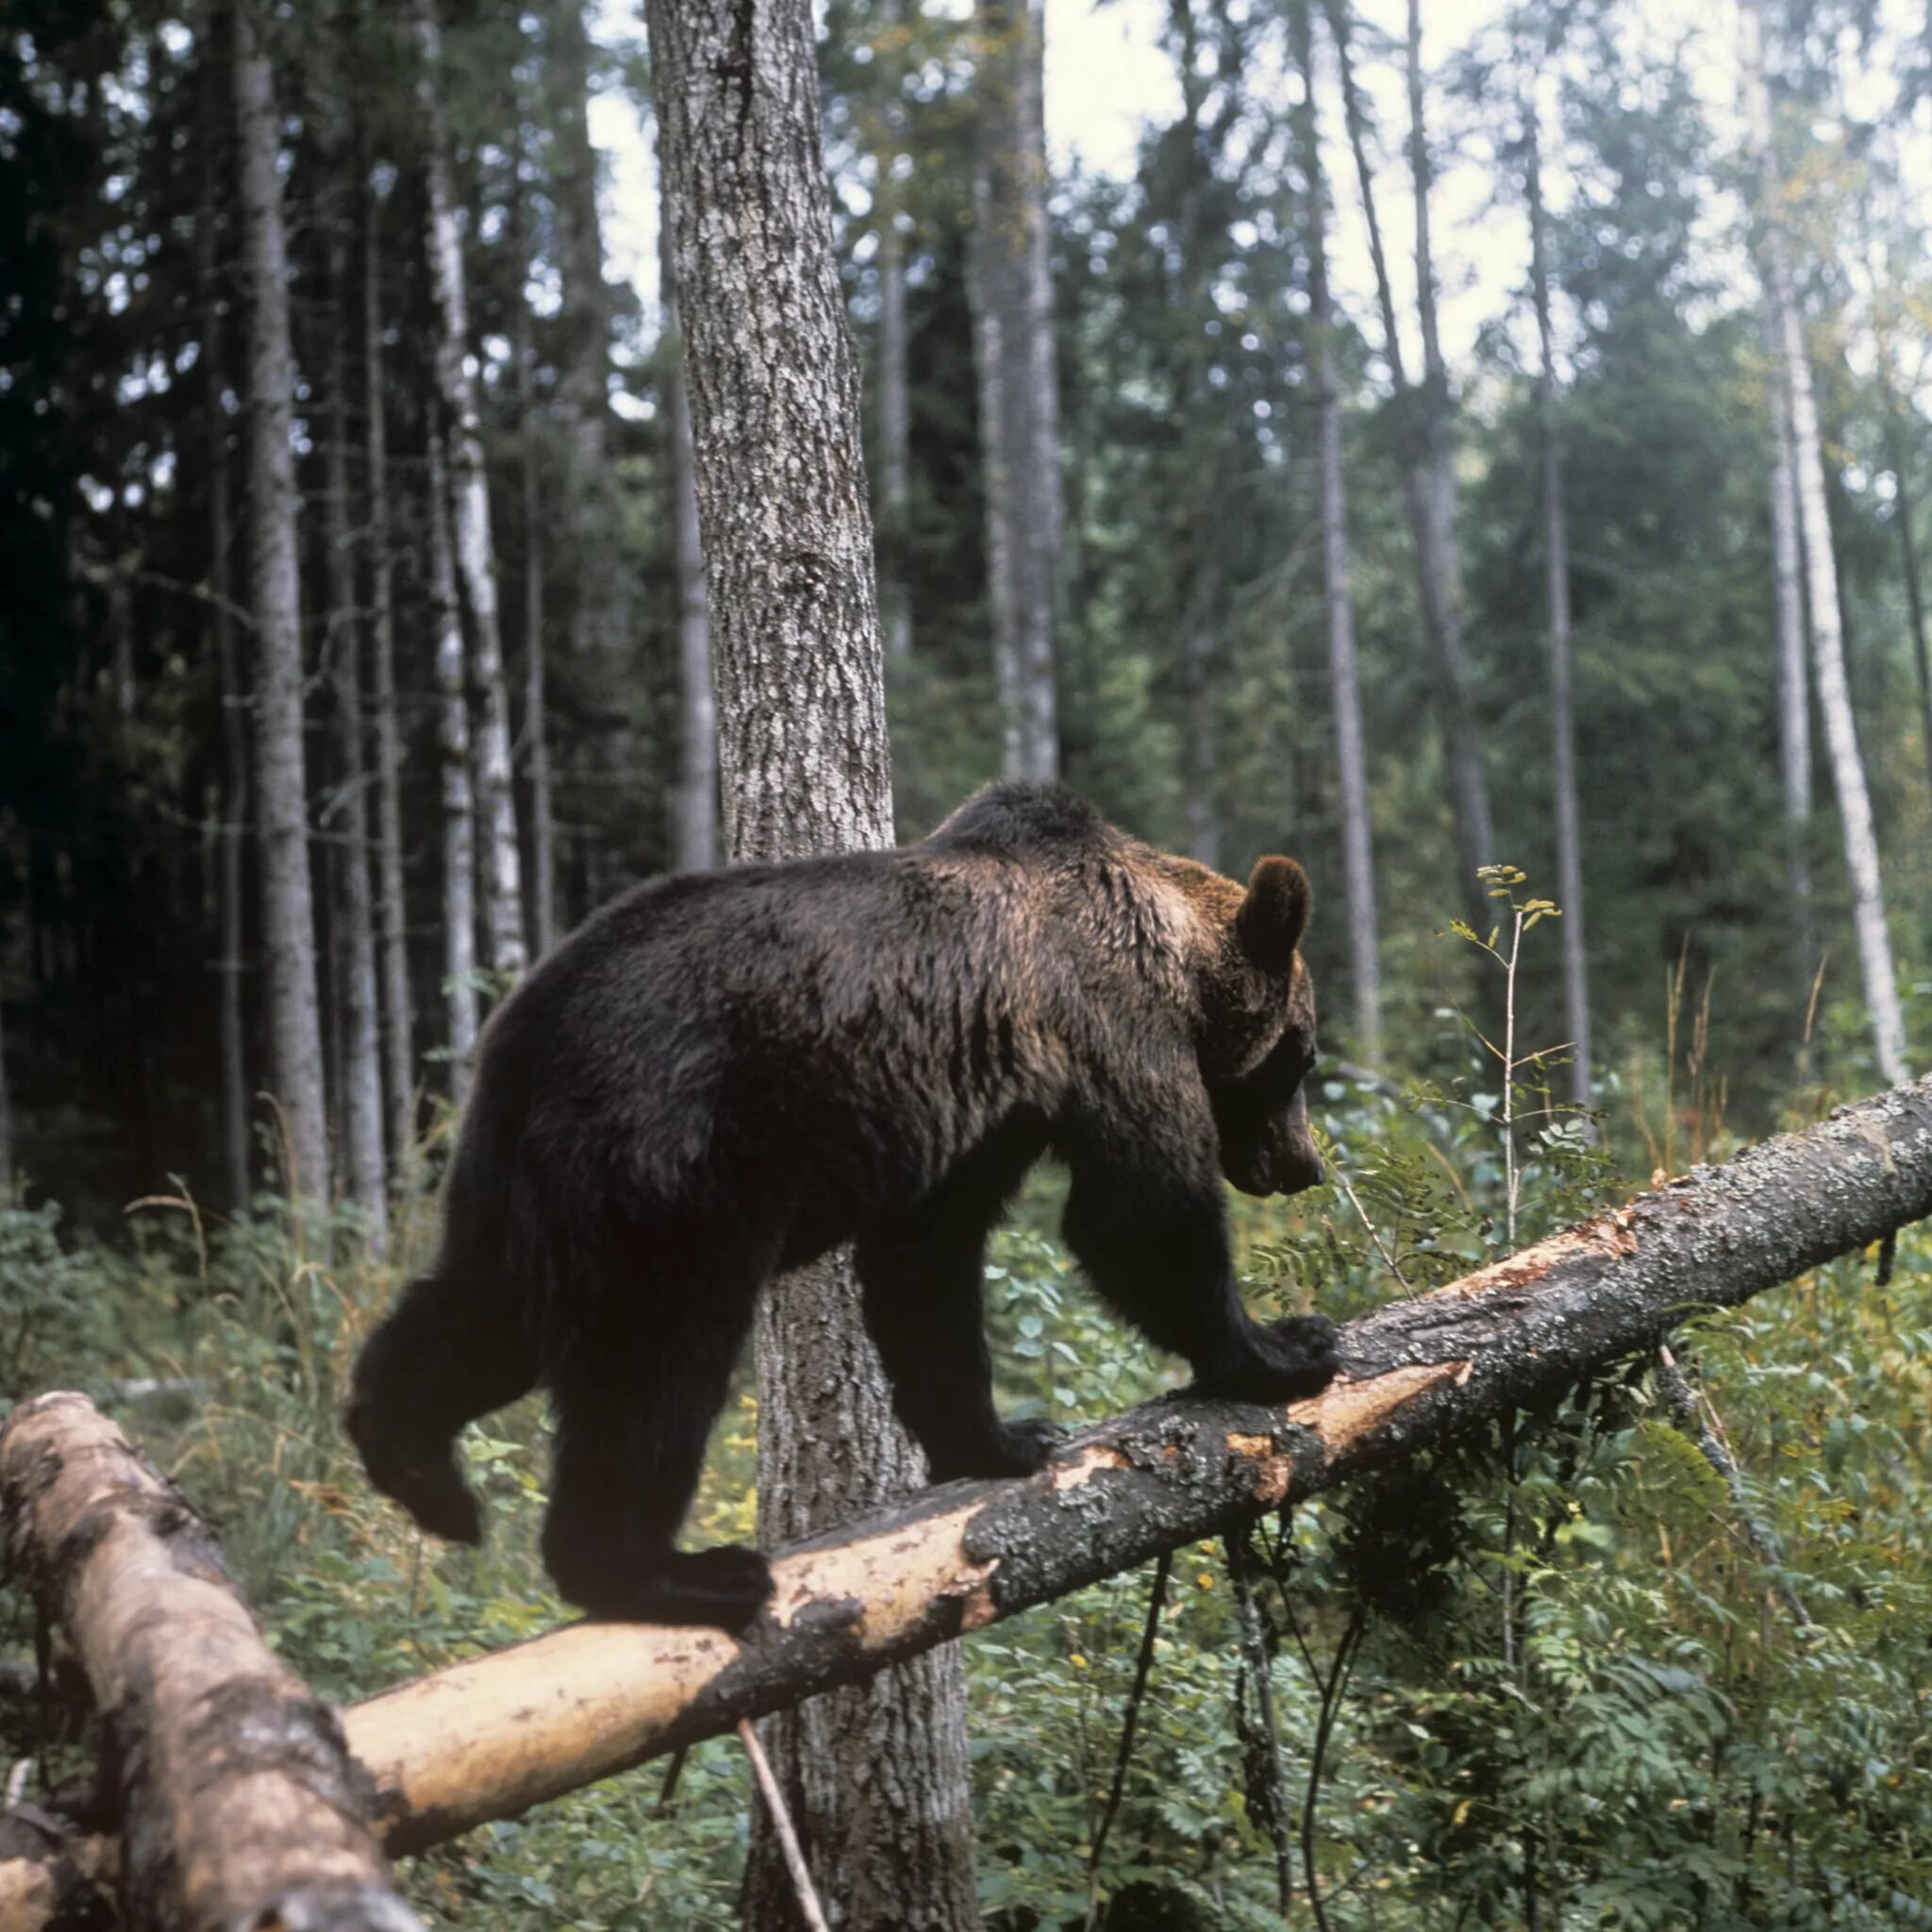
<point>723,1076</point>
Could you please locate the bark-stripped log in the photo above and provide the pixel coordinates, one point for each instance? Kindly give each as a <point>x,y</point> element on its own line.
<point>485,1738</point>
<point>239,1806</point>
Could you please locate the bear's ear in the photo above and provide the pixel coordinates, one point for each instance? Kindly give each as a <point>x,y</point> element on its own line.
<point>1274,914</point>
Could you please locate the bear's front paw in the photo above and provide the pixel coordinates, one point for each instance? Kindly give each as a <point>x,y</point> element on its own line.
<point>1021,1448</point>
<point>1293,1359</point>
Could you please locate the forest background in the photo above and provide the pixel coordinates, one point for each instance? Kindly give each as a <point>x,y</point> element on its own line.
<point>1184,493</point>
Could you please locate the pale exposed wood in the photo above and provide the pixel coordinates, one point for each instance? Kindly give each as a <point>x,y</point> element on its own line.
<point>483,1740</point>
<point>240,1805</point>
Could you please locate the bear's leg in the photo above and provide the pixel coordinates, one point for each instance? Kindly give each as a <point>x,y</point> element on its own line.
<point>1154,1242</point>
<point>922,1287</point>
<point>634,1406</point>
<point>446,1354</point>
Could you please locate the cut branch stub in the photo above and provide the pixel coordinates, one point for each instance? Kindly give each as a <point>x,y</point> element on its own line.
<point>239,1806</point>
<point>487,1737</point>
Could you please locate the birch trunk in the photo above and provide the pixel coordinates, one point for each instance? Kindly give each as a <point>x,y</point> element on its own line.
<point>287,920</point>
<point>398,1010</point>
<point>1010,284</point>
<point>1557,574</point>
<point>1432,490</point>
<point>535,726</point>
<point>895,471</point>
<point>1794,686</point>
<point>459,800</point>
<point>696,828</point>
<point>1828,628</point>
<point>476,561</point>
<point>875,1776</point>
<point>1351,764</point>
<point>1903,510</point>
<point>234,1067</point>
<point>360,1073</point>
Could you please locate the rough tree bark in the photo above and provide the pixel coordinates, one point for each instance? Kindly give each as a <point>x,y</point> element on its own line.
<point>288,917</point>
<point>458,801</point>
<point>696,828</point>
<point>483,1740</point>
<point>214,360</point>
<point>896,469</point>
<point>476,561</point>
<point>875,1776</point>
<point>1010,283</point>
<point>1821,574</point>
<point>1438,562</point>
<point>1351,760</point>
<point>398,1007</point>
<point>360,1072</point>
<point>1556,586</point>
<point>240,1801</point>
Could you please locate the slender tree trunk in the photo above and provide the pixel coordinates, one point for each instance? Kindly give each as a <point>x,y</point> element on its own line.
<point>875,1776</point>
<point>398,1011</point>
<point>1794,686</point>
<point>287,923</point>
<point>476,561</point>
<point>459,800</point>
<point>895,470</point>
<point>696,827</point>
<point>234,1069</point>
<point>1827,629</point>
<point>1903,511</point>
<point>360,1070</point>
<point>1432,484</point>
<point>1556,572</point>
<point>535,726</point>
<point>1009,275</point>
<point>1351,763</point>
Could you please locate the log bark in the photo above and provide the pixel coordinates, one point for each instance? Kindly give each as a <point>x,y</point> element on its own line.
<point>240,1805</point>
<point>485,1738</point>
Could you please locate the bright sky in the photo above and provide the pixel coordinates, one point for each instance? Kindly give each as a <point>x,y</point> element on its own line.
<point>1107,76</point>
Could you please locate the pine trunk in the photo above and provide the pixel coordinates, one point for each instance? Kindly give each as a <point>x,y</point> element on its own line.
<point>535,726</point>
<point>1351,762</point>
<point>1828,627</point>
<point>234,732</point>
<point>360,1070</point>
<point>875,1775</point>
<point>398,1011</point>
<point>696,828</point>
<point>476,561</point>
<point>1556,572</point>
<point>1431,492</point>
<point>1010,276</point>
<point>288,921</point>
<point>459,800</point>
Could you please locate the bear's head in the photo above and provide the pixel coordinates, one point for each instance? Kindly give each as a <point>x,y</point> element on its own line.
<point>1259,1035</point>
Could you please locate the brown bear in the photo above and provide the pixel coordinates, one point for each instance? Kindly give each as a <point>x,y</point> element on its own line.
<point>723,1075</point>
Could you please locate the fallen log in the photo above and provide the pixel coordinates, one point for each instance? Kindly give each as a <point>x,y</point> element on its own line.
<point>239,1806</point>
<point>486,1739</point>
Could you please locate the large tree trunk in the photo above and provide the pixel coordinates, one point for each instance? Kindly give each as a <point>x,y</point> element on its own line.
<point>1828,627</point>
<point>1010,281</point>
<point>875,1776</point>
<point>459,800</point>
<point>1432,488</point>
<point>895,468</point>
<point>1556,575</point>
<point>360,1069</point>
<point>535,726</point>
<point>1351,761</point>
<point>696,827</point>
<point>475,560</point>
<point>288,919</point>
<point>241,1807</point>
<point>485,1738</point>
<point>234,729</point>
<point>398,1010</point>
